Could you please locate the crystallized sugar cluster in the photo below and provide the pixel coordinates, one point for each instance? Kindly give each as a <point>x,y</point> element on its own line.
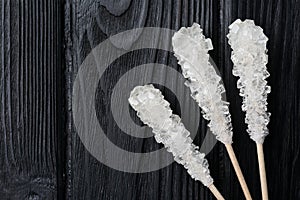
<point>249,57</point>
<point>168,129</point>
<point>191,49</point>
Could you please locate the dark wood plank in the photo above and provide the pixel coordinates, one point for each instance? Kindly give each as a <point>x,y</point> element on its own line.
<point>31,99</point>
<point>93,22</point>
<point>280,21</point>
<point>88,23</point>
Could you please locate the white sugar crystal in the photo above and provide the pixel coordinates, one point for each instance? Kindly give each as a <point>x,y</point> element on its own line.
<point>168,129</point>
<point>248,43</point>
<point>191,49</point>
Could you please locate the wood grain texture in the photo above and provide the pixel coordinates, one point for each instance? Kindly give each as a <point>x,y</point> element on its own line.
<point>92,26</point>
<point>88,23</point>
<point>36,98</point>
<point>31,99</point>
<point>280,21</point>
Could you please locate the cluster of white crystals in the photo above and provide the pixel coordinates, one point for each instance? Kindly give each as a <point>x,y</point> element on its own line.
<point>248,43</point>
<point>191,49</point>
<point>168,129</point>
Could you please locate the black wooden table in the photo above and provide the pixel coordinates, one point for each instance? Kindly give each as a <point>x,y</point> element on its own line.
<point>44,43</point>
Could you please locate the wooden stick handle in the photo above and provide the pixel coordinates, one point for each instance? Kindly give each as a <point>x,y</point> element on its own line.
<point>216,192</point>
<point>238,171</point>
<point>262,171</point>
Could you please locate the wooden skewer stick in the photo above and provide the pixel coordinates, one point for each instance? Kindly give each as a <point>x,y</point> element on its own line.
<point>262,171</point>
<point>216,192</point>
<point>238,171</point>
